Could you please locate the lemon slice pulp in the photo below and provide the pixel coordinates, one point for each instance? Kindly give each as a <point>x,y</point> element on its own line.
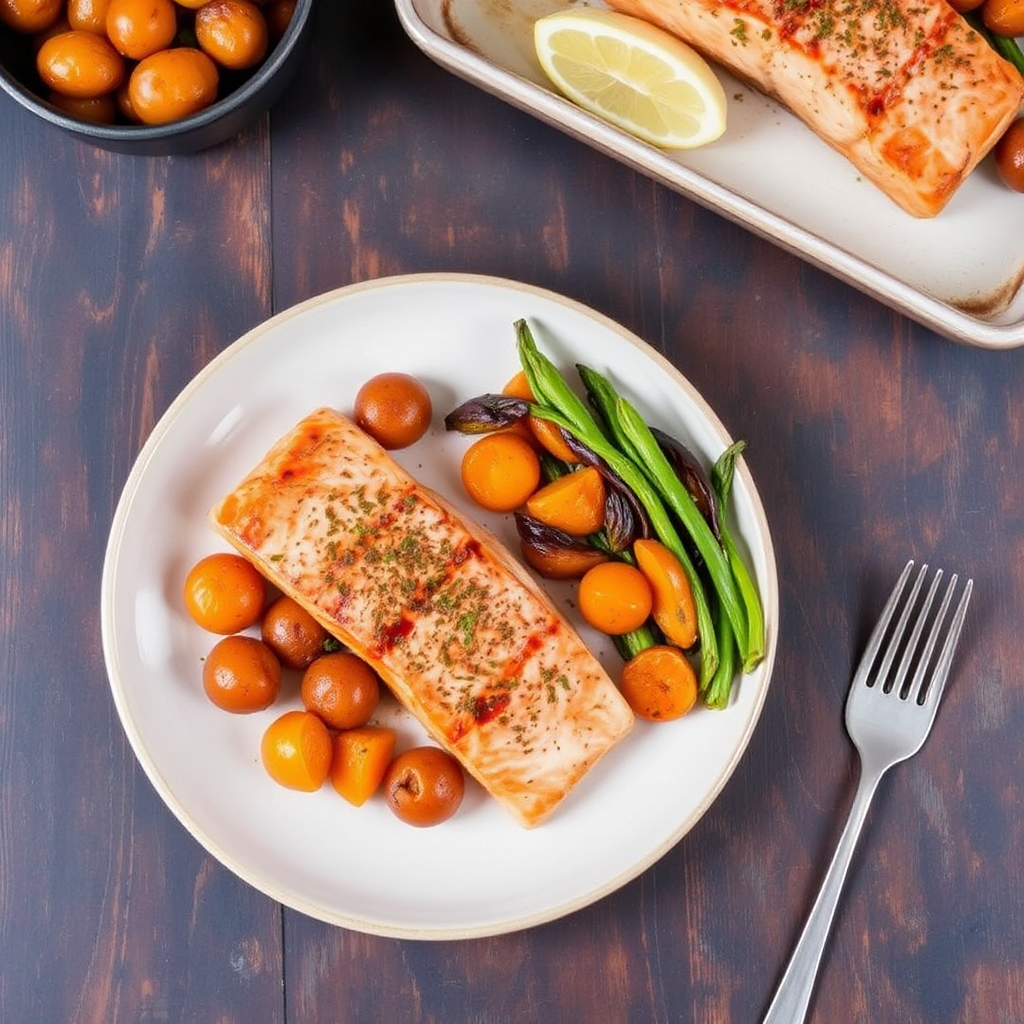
<point>633,74</point>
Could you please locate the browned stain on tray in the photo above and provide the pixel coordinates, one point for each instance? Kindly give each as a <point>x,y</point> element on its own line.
<point>995,302</point>
<point>454,29</point>
<point>513,18</point>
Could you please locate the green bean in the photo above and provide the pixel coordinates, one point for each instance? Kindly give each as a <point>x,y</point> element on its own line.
<point>629,645</point>
<point>717,693</point>
<point>722,475</point>
<point>549,387</point>
<point>604,396</point>
<point>552,469</point>
<point>678,498</point>
<point>1009,48</point>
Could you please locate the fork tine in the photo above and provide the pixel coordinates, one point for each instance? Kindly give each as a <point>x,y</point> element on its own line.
<point>929,688</point>
<point>874,643</point>
<point>899,686</point>
<point>882,675</point>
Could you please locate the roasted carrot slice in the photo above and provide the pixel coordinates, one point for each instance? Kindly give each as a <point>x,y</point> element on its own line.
<point>674,609</point>
<point>360,759</point>
<point>659,683</point>
<point>574,502</point>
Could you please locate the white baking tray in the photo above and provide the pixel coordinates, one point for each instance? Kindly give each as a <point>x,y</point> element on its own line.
<point>961,274</point>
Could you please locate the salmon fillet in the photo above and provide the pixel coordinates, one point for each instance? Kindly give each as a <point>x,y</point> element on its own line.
<point>906,89</point>
<point>461,634</point>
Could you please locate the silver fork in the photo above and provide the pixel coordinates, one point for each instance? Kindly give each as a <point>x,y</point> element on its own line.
<point>889,713</point>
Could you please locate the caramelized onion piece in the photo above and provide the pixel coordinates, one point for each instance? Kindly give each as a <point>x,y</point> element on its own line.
<point>554,553</point>
<point>624,519</point>
<point>486,414</point>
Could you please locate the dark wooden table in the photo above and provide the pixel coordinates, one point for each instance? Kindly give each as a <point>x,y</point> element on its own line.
<point>871,440</point>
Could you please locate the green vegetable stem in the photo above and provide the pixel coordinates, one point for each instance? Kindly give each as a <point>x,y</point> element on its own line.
<point>678,498</point>
<point>629,645</point>
<point>717,692</point>
<point>722,475</point>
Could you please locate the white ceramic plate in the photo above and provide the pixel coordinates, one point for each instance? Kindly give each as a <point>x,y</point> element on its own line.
<point>478,873</point>
<point>960,273</point>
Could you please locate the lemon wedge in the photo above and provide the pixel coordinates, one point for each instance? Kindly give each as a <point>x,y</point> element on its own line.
<point>639,77</point>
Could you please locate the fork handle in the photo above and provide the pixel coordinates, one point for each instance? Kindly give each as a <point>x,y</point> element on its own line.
<point>793,996</point>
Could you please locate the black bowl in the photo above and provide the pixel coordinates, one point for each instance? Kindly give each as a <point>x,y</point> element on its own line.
<point>247,99</point>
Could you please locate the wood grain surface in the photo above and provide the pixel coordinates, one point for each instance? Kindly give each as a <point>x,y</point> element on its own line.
<point>871,440</point>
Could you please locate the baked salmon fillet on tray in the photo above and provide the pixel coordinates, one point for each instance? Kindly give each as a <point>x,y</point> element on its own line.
<point>462,635</point>
<point>907,90</point>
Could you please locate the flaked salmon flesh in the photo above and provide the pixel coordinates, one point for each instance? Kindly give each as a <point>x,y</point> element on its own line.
<point>907,90</point>
<point>461,634</point>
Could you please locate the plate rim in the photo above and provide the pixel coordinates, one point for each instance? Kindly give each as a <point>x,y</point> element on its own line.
<point>281,893</point>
